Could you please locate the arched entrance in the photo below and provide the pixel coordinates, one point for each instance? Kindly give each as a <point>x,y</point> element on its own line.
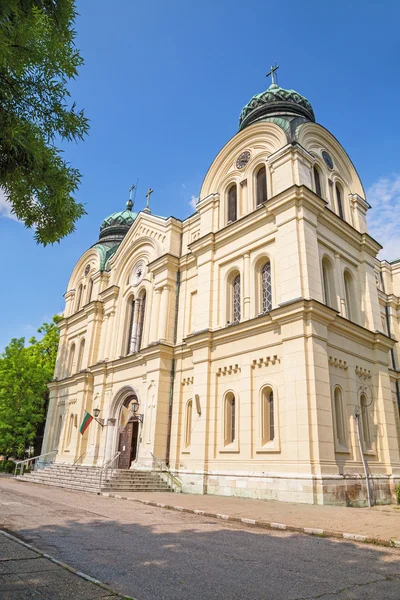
<point>128,434</point>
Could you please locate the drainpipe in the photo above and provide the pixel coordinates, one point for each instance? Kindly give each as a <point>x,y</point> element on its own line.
<point>172,381</point>
<point>364,462</point>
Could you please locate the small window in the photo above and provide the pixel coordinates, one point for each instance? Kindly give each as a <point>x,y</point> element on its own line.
<point>90,291</point>
<point>339,201</point>
<point>266,288</point>
<point>230,419</point>
<point>261,186</point>
<point>188,424</point>
<point>339,417</point>
<point>71,360</point>
<point>140,324</point>
<point>79,298</point>
<point>70,426</point>
<point>236,304</point>
<point>80,356</point>
<point>365,422</point>
<point>317,181</point>
<point>232,203</point>
<point>130,332</point>
<point>349,291</point>
<point>328,283</point>
<point>268,416</point>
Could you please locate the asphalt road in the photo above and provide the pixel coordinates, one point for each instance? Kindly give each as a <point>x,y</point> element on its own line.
<point>155,554</point>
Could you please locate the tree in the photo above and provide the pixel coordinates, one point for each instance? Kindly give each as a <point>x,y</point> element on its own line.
<point>24,373</point>
<point>37,59</point>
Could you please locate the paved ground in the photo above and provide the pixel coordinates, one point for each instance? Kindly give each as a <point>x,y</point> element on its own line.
<point>26,574</point>
<point>379,522</point>
<point>155,554</point>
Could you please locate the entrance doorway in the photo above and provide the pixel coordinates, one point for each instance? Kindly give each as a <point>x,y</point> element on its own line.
<point>128,442</point>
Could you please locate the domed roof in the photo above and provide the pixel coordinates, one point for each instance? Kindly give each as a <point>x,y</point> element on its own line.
<point>116,226</point>
<point>275,101</point>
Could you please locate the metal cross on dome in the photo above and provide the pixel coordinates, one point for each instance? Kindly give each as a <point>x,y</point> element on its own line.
<point>272,73</point>
<point>149,193</point>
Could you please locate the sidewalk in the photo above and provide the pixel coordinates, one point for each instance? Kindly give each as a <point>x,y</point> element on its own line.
<point>378,525</point>
<point>26,573</point>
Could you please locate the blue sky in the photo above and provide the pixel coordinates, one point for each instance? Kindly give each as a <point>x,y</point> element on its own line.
<point>163,86</point>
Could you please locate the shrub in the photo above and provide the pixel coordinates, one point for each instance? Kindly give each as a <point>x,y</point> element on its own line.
<point>7,466</point>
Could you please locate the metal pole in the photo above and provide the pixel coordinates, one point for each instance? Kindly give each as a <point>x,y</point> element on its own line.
<point>364,462</point>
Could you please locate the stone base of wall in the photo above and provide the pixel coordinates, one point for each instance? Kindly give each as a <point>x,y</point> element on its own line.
<point>347,490</point>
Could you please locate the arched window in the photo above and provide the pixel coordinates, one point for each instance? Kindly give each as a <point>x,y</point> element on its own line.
<point>188,424</point>
<point>236,301</point>
<point>317,181</point>
<point>230,419</point>
<point>267,416</point>
<point>79,297</point>
<point>89,291</point>
<point>339,416</point>
<point>69,433</point>
<point>365,422</point>
<point>261,186</point>
<point>140,325</point>
<point>266,288</point>
<point>56,443</point>
<point>339,202</point>
<point>71,360</point>
<point>351,310</point>
<point>232,203</point>
<point>328,282</point>
<point>80,356</point>
<point>131,333</point>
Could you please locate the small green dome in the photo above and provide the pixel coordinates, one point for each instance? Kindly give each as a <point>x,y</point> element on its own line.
<point>116,226</point>
<point>275,101</point>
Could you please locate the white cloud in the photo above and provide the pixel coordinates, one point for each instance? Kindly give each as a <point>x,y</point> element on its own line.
<point>5,207</point>
<point>384,217</point>
<point>193,202</point>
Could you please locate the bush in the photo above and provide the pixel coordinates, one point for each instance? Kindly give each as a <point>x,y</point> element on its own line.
<point>398,494</point>
<point>7,466</point>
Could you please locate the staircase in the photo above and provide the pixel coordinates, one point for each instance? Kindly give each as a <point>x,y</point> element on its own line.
<point>87,479</point>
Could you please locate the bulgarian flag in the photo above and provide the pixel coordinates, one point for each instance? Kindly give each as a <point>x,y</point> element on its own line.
<point>87,419</point>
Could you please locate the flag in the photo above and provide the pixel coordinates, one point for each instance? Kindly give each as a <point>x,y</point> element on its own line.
<point>87,419</point>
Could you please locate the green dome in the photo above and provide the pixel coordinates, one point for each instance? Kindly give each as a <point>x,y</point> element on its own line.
<point>116,226</point>
<point>275,101</point>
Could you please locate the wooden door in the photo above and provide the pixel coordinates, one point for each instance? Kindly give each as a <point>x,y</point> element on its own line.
<point>125,446</point>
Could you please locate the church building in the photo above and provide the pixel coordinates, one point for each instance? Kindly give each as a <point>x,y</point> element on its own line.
<point>250,347</point>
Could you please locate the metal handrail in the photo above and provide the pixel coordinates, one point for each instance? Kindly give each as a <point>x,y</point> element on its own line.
<point>175,481</point>
<point>21,463</point>
<point>106,466</point>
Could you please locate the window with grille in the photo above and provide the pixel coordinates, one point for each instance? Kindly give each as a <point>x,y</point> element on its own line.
<point>236,300</point>
<point>230,419</point>
<point>266,288</point>
<point>268,416</point>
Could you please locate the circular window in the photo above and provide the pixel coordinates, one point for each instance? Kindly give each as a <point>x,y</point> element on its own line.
<point>138,272</point>
<point>327,159</point>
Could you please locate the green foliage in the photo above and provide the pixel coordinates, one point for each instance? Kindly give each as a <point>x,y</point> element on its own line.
<point>37,59</point>
<point>7,466</point>
<point>24,373</point>
<point>398,494</point>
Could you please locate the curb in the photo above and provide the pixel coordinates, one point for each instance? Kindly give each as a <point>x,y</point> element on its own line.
<point>353,537</point>
<point>67,567</point>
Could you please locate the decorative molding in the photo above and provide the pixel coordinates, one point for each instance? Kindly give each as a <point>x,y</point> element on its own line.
<point>265,362</point>
<point>229,370</point>
<point>187,380</point>
<point>363,373</point>
<point>338,363</point>
<point>72,401</point>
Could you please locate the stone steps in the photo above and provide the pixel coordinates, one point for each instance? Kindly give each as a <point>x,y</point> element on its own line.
<point>83,478</point>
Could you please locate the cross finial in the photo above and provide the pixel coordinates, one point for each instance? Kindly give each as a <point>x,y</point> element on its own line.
<point>148,195</point>
<point>272,73</point>
<point>129,204</point>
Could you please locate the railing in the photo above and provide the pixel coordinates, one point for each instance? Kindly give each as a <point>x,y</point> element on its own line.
<point>172,480</point>
<point>32,462</point>
<point>107,465</point>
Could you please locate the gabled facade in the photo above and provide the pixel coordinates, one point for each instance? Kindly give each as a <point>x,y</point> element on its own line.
<point>258,336</point>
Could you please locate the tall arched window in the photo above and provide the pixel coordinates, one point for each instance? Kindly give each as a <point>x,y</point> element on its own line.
<point>79,297</point>
<point>266,288</point>
<point>349,291</point>
<point>56,442</point>
<point>365,422</point>
<point>339,201</point>
<point>236,300</point>
<point>230,419</point>
<point>69,433</point>
<point>261,186</point>
<point>140,325</point>
<point>130,331</point>
<point>328,282</point>
<point>232,203</point>
<point>267,416</point>
<point>317,181</point>
<point>339,416</point>
<point>80,356</point>
<point>89,291</point>
<point>71,360</point>
<point>188,423</point>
